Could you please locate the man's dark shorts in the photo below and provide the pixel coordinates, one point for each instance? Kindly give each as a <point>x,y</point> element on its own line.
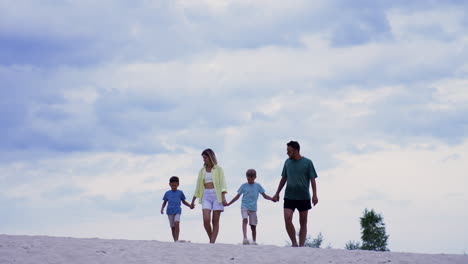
<point>301,205</point>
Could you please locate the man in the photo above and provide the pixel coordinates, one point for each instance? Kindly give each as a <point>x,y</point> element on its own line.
<point>298,172</point>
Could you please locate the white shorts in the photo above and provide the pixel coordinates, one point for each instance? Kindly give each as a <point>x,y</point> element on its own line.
<point>210,202</point>
<point>251,215</point>
<point>173,218</point>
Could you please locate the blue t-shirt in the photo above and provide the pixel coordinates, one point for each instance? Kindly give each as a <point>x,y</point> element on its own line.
<point>174,200</point>
<point>250,195</point>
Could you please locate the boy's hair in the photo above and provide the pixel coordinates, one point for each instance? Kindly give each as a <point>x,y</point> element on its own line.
<point>174,179</point>
<point>294,145</point>
<point>251,173</point>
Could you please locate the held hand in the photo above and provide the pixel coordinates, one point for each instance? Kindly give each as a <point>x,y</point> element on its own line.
<point>192,206</point>
<point>276,197</point>
<point>225,203</point>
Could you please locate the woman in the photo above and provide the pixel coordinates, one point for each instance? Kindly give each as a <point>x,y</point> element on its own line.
<point>211,190</point>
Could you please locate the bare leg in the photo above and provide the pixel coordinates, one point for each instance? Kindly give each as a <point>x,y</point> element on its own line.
<point>176,230</point>
<point>215,221</point>
<point>207,222</point>
<point>244,228</point>
<point>254,233</point>
<point>173,233</point>
<point>288,216</point>
<point>303,229</point>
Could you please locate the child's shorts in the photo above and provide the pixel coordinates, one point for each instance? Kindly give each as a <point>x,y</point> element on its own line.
<point>173,218</point>
<point>210,202</point>
<point>252,215</point>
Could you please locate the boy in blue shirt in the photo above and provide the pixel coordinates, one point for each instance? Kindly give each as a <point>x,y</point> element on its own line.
<point>174,198</point>
<point>250,191</point>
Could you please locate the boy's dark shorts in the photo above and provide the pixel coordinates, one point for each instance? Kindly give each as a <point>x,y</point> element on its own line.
<point>301,205</point>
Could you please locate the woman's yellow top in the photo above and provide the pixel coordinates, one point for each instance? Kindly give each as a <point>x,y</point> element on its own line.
<point>219,183</point>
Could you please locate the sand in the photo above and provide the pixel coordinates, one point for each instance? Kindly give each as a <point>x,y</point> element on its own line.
<point>44,249</point>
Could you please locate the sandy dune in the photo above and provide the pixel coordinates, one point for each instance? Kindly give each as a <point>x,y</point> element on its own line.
<point>43,249</point>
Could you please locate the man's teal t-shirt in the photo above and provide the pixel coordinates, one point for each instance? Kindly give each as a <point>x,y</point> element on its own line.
<point>298,174</point>
<point>250,195</point>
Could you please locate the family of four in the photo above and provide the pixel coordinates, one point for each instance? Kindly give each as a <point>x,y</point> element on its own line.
<point>298,175</point>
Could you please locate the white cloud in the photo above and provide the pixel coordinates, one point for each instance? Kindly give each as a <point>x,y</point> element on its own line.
<point>416,24</point>
<point>109,175</point>
<point>417,172</point>
<point>452,94</point>
<point>375,117</point>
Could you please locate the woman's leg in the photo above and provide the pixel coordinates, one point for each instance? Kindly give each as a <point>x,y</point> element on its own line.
<point>214,234</point>
<point>207,222</point>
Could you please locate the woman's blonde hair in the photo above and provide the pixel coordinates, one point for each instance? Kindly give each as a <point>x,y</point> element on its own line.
<point>210,153</point>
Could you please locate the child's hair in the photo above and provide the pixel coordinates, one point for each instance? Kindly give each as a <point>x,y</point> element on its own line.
<point>251,173</point>
<point>174,179</point>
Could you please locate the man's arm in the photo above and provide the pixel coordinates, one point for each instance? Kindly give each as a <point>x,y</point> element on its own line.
<point>280,187</point>
<point>162,207</point>
<point>314,191</point>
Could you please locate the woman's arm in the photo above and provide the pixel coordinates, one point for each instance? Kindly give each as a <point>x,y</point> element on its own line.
<point>222,180</point>
<point>223,195</point>
<point>197,189</point>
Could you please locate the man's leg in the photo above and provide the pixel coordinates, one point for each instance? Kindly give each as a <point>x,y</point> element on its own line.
<point>207,222</point>
<point>288,216</point>
<point>215,221</point>
<point>303,230</point>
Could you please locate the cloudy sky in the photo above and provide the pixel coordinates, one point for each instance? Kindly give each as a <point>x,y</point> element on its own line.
<point>102,101</point>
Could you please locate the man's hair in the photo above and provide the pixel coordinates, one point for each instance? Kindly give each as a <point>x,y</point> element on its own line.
<point>294,145</point>
<point>174,179</point>
<point>251,173</point>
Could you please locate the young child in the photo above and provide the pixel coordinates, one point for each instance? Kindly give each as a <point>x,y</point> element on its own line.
<point>250,191</point>
<point>174,198</point>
